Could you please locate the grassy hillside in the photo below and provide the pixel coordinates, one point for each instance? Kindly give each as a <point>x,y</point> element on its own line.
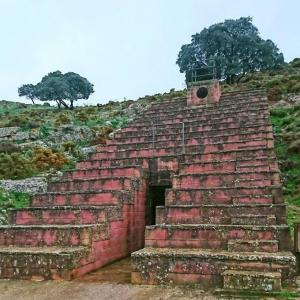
<point>44,121</point>
<point>286,127</point>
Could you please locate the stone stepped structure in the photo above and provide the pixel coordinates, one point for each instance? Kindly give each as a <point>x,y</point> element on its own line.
<point>223,221</point>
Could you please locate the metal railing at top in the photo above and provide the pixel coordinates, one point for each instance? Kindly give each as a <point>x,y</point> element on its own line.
<point>201,73</point>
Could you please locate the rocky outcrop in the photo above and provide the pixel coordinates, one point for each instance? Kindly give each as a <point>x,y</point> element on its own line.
<point>71,132</point>
<point>29,185</point>
<point>15,134</point>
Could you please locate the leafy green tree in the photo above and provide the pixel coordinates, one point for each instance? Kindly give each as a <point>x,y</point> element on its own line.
<point>79,87</point>
<point>235,47</point>
<point>53,87</point>
<point>60,88</point>
<point>27,90</point>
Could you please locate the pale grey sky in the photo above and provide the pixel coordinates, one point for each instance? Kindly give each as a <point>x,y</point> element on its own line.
<point>126,48</point>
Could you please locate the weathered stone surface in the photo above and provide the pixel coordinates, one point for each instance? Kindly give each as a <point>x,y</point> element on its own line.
<point>15,134</point>
<point>249,280</point>
<point>7,132</point>
<point>30,186</point>
<point>71,132</point>
<point>33,144</point>
<point>89,150</point>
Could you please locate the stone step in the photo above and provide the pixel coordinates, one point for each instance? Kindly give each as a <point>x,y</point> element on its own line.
<point>190,149</point>
<point>134,171</point>
<point>40,263</point>
<point>174,105</point>
<point>64,215</point>
<point>229,97</point>
<point>52,235</point>
<point>243,214</point>
<point>189,133</point>
<point>213,236</point>
<point>225,195</point>
<point>249,280</point>
<point>258,218</point>
<point>199,118</point>
<point>248,155</point>
<point>116,162</point>
<point>226,179</point>
<point>193,127</point>
<point>95,184</point>
<point>100,197</point>
<point>196,141</point>
<point>238,155</point>
<point>216,109</point>
<point>197,121</point>
<point>221,105</point>
<point>246,165</point>
<point>270,246</point>
<point>202,129</point>
<point>150,116</point>
<point>204,267</point>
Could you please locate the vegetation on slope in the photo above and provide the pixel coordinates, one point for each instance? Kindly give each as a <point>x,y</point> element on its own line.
<point>11,200</point>
<point>286,127</point>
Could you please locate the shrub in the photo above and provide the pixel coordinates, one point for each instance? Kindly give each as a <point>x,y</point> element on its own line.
<point>295,63</point>
<point>11,200</point>
<point>274,94</point>
<point>15,166</point>
<point>45,130</point>
<point>295,88</point>
<point>274,82</point>
<point>46,158</point>
<point>9,147</point>
<point>19,121</point>
<point>98,140</point>
<point>69,146</point>
<point>83,116</point>
<point>61,119</point>
<point>102,136</point>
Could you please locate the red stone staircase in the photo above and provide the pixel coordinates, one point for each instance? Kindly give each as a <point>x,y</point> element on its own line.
<point>223,223</point>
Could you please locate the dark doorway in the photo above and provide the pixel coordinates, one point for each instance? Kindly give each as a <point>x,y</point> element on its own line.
<point>156,197</point>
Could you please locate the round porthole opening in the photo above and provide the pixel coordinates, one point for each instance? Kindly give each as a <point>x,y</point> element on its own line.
<point>202,92</point>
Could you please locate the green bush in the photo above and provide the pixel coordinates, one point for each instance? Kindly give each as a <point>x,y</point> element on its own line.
<point>295,63</point>
<point>16,165</point>
<point>62,118</point>
<point>11,200</point>
<point>295,88</point>
<point>8,147</point>
<point>274,82</point>
<point>274,94</point>
<point>45,130</point>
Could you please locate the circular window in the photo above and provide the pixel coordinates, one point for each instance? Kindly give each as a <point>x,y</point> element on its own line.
<point>202,92</point>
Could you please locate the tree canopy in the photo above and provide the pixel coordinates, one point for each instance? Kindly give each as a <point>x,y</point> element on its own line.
<point>234,46</point>
<point>27,90</point>
<point>59,87</point>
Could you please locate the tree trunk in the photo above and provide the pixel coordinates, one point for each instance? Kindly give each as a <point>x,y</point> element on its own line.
<point>64,103</point>
<point>58,104</point>
<point>240,77</point>
<point>71,104</point>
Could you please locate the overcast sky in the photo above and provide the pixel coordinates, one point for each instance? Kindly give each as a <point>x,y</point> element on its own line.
<point>126,48</point>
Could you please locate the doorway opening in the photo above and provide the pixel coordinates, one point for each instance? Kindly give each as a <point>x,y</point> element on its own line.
<point>156,197</point>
